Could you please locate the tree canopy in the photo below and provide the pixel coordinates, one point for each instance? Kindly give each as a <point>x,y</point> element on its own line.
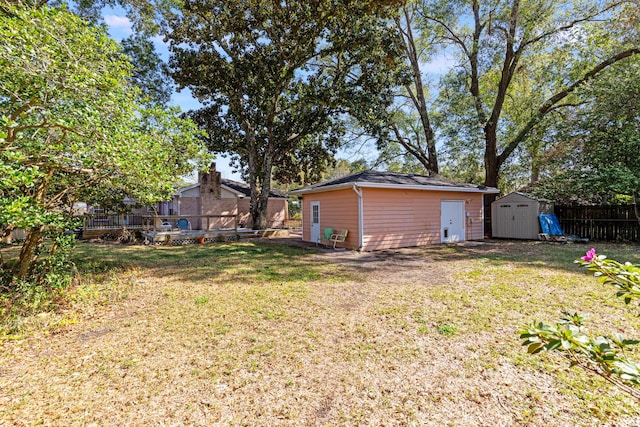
<point>516,67</point>
<point>276,78</point>
<point>523,60</point>
<point>149,73</point>
<point>596,158</point>
<point>72,121</point>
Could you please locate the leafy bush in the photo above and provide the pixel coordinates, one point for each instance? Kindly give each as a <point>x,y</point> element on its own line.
<point>603,355</point>
<point>42,289</point>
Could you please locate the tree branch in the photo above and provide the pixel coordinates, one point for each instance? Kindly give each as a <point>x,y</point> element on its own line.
<point>552,102</point>
<point>414,151</point>
<point>569,25</point>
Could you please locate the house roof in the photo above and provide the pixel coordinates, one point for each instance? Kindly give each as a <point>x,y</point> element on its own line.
<point>375,179</point>
<point>181,190</point>
<point>243,188</point>
<point>238,188</point>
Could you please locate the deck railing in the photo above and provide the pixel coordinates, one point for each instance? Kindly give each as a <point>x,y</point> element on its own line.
<point>193,222</point>
<point>112,221</point>
<point>150,222</point>
<point>292,224</point>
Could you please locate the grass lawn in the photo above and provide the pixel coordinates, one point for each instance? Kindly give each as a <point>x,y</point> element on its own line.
<point>266,334</point>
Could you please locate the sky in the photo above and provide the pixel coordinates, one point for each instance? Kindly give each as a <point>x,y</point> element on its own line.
<point>120,27</point>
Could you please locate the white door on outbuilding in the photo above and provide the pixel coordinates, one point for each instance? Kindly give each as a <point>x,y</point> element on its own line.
<point>452,221</point>
<point>315,222</point>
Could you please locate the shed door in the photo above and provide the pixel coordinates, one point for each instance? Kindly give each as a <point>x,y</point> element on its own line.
<point>315,221</point>
<point>517,221</point>
<point>452,221</point>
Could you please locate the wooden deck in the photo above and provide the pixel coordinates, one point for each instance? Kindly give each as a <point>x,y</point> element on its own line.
<point>184,237</point>
<point>163,229</point>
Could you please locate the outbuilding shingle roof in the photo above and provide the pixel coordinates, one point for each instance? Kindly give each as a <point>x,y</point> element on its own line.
<point>378,179</point>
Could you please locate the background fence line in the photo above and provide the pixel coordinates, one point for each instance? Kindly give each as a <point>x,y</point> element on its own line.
<point>608,223</point>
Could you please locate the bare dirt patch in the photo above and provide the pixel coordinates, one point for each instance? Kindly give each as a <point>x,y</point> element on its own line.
<point>266,337</point>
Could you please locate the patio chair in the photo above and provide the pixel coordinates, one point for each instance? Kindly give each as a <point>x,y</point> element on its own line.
<point>326,236</point>
<point>339,237</point>
<point>552,231</point>
<point>162,225</point>
<point>184,224</point>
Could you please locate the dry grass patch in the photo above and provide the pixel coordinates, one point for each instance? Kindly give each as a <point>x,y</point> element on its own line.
<point>265,334</point>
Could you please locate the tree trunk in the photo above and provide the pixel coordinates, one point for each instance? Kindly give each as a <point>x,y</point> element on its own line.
<point>430,161</point>
<point>255,178</point>
<point>260,215</point>
<point>36,234</point>
<point>26,259</point>
<point>260,183</point>
<point>492,175</point>
<point>254,204</point>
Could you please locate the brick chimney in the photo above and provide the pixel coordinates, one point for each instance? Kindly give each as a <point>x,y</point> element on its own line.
<point>210,190</point>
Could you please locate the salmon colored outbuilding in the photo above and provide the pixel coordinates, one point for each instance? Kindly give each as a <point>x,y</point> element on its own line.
<point>383,210</point>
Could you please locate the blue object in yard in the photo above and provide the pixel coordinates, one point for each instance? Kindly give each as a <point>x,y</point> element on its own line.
<point>550,225</point>
<point>184,224</point>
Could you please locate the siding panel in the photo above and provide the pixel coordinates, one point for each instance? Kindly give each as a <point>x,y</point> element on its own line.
<point>393,218</point>
<point>401,218</point>
<point>338,210</point>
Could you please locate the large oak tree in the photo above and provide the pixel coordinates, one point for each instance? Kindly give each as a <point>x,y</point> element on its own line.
<point>276,78</point>
<point>520,60</point>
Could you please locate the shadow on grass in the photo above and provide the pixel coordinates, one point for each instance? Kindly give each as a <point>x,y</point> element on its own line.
<point>498,252</point>
<point>243,261</point>
<point>531,253</point>
<point>286,260</point>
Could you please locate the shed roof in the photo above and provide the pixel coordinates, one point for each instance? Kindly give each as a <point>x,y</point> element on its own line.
<point>376,179</point>
<point>523,194</point>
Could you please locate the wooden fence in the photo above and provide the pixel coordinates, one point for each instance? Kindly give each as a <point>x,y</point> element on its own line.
<point>608,223</point>
<point>111,221</point>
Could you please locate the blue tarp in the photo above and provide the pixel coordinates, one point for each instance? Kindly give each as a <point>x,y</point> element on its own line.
<point>550,225</point>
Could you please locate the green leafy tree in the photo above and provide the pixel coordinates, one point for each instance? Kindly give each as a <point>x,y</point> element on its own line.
<point>71,121</point>
<point>597,158</point>
<point>147,16</point>
<point>606,356</point>
<point>275,76</point>
<point>517,63</point>
<point>150,74</point>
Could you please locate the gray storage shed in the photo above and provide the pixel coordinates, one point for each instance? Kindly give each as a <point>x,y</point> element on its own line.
<point>515,216</point>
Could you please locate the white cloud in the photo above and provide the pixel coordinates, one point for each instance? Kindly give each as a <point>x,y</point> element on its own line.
<point>119,26</point>
<point>439,65</point>
<point>121,22</point>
